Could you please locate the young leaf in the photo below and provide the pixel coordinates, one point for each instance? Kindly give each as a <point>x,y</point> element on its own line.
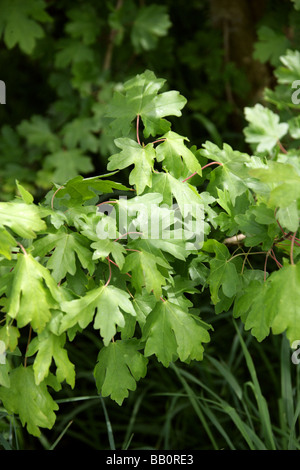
<point>7,242</point>
<point>30,280</point>
<point>270,46</point>
<point>82,189</point>
<point>222,271</point>
<point>120,365</point>
<point>145,271</point>
<point>174,153</point>
<point>23,219</point>
<point>272,304</point>
<point>62,259</point>
<point>25,195</point>
<point>171,332</point>
<point>150,23</point>
<point>33,403</point>
<point>108,300</point>
<point>66,164</point>
<point>133,154</point>
<point>264,128</point>
<point>51,347</point>
<point>104,247</point>
<point>141,98</point>
<point>19,25</point>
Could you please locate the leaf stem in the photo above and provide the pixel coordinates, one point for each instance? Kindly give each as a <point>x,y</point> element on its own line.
<point>28,341</point>
<point>292,248</point>
<point>109,277</point>
<point>23,249</point>
<point>265,266</point>
<point>52,199</point>
<point>127,233</point>
<point>107,202</point>
<point>137,129</point>
<point>111,42</point>
<point>205,166</point>
<point>281,147</point>
<point>158,140</point>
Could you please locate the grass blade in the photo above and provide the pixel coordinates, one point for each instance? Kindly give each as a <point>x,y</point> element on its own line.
<point>261,402</point>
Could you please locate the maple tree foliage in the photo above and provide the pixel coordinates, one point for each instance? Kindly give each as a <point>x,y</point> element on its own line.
<point>63,275</point>
<point>125,267</point>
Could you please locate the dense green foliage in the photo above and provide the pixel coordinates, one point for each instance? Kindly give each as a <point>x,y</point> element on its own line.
<point>127,242</point>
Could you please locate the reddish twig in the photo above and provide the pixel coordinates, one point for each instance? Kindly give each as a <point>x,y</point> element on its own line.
<point>137,129</point>
<point>292,248</point>
<point>281,147</point>
<point>127,233</point>
<point>52,199</point>
<point>205,166</point>
<point>109,277</point>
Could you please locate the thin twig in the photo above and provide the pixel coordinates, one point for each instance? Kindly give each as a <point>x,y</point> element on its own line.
<point>205,166</point>
<point>28,341</point>
<point>22,248</point>
<point>137,129</point>
<point>292,248</point>
<point>111,42</point>
<point>109,277</point>
<point>281,147</point>
<point>52,199</point>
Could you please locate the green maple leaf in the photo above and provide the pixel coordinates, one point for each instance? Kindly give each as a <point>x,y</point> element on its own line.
<point>223,272</point>
<point>187,197</point>
<point>233,175</point>
<point>120,365</point>
<point>63,259</point>
<point>150,23</point>
<point>290,71</point>
<point>283,181</point>
<point>19,23</point>
<point>9,335</point>
<point>296,4</point>
<point>288,216</point>
<point>254,306</point>
<point>84,23</point>
<point>51,347</point>
<point>108,300</point>
<point>6,243</point>
<point>81,189</point>
<point>143,304</point>
<point>25,195</point>
<point>104,247</point>
<point>264,128</point>
<point>37,132</point>
<point>259,226</point>
<point>31,281</point>
<point>272,304</point>
<point>145,271</point>
<point>79,132</point>
<point>174,153</point>
<point>72,51</point>
<point>140,97</point>
<point>64,165</point>
<point>171,332</point>
<point>23,219</point>
<point>270,46</point>
<point>133,154</point>
<point>30,401</point>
